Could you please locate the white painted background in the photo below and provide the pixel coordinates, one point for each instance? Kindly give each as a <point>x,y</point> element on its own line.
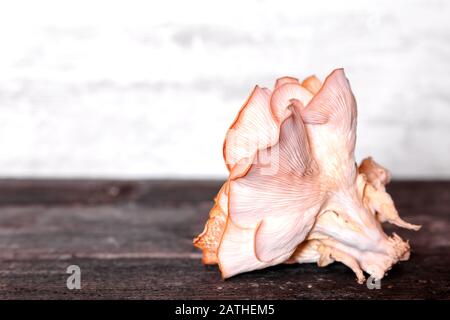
<point>140,89</point>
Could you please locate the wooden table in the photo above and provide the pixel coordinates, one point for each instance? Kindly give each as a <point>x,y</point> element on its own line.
<point>133,239</point>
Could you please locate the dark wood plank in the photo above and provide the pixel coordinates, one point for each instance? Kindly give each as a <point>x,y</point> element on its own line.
<point>181,278</point>
<point>136,242</point>
<point>153,192</point>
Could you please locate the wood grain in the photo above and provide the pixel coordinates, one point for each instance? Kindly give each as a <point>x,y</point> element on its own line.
<point>133,240</point>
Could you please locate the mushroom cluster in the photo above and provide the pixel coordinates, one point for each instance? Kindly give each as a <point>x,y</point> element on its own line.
<point>295,193</point>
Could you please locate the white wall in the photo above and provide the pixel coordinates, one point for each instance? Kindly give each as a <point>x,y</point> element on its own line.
<point>133,89</point>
